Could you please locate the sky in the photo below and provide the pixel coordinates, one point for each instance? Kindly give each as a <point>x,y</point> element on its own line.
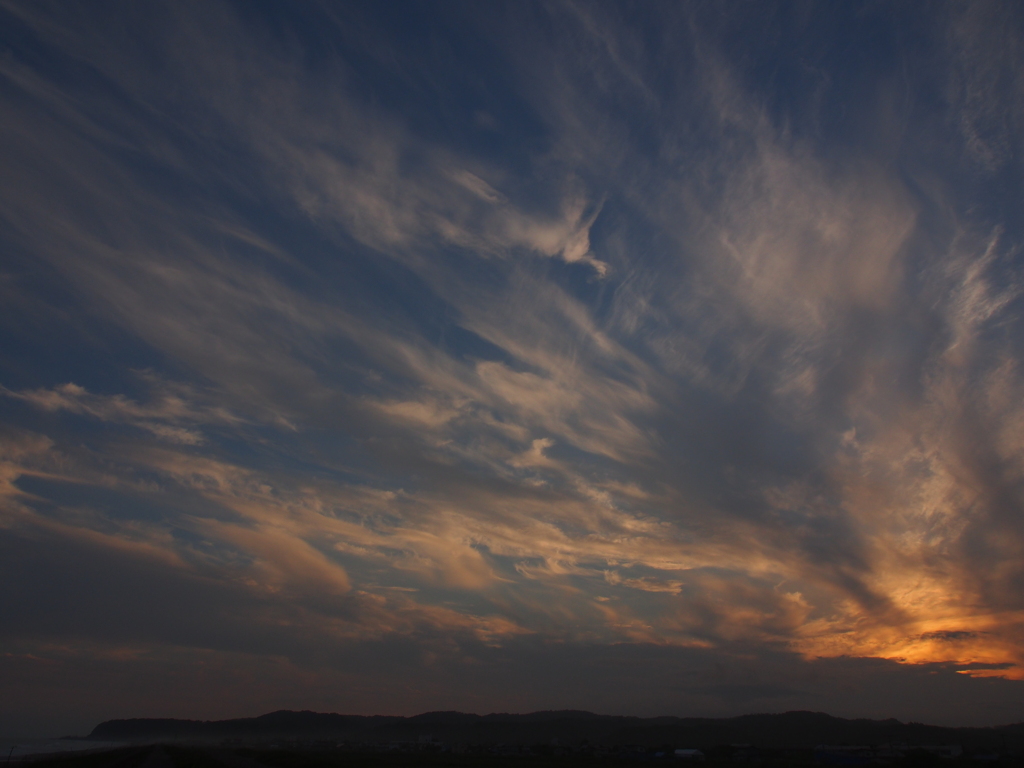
<point>657,358</point>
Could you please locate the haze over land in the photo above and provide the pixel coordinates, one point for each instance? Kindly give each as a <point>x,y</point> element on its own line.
<point>650,359</point>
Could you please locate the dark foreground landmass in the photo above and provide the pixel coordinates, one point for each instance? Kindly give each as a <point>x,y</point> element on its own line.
<point>565,730</point>
<point>541,739</point>
<point>432,756</point>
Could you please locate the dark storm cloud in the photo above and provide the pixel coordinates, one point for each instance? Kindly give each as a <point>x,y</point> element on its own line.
<point>346,341</point>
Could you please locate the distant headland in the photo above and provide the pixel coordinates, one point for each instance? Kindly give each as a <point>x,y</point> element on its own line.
<point>567,729</point>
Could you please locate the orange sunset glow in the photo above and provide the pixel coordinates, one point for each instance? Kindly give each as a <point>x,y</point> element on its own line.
<point>654,358</point>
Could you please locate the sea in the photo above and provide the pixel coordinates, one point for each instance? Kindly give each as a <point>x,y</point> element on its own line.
<point>13,749</point>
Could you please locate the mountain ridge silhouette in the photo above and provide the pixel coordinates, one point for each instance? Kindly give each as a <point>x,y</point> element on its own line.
<point>795,729</point>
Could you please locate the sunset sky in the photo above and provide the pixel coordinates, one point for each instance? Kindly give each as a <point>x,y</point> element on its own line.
<point>384,357</point>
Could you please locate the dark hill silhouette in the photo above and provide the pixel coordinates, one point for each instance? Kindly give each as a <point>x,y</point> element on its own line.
<point>795,730</point>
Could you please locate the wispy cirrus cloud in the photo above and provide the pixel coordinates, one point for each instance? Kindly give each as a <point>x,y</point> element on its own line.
<point>659,355</point>
<point>163,417</point>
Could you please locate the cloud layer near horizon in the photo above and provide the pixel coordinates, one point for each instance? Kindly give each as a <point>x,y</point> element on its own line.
<point>484,360</point>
